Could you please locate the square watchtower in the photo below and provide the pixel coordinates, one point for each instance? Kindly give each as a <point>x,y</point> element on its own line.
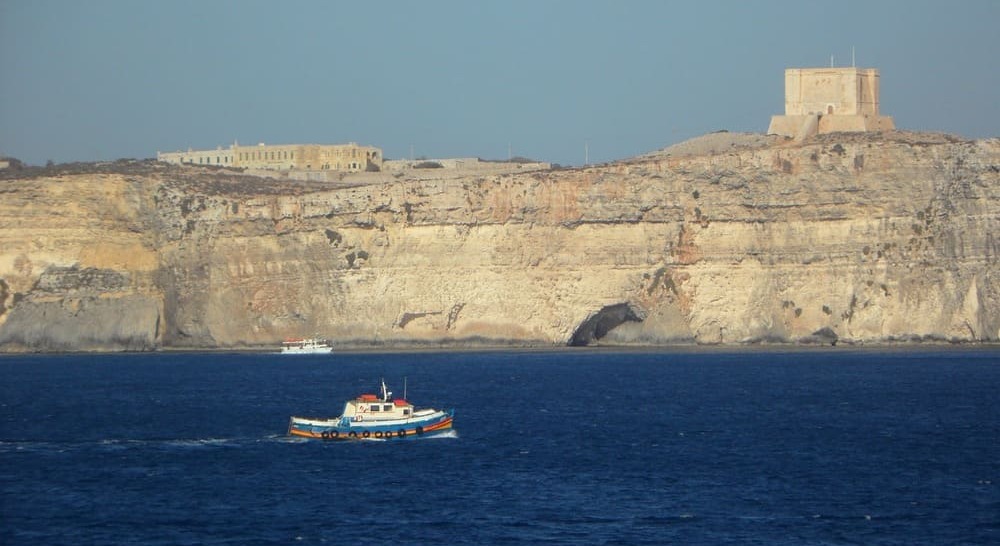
<point>827,100</point>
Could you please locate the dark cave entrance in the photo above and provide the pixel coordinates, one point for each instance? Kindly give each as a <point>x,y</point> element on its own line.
<point>600,323</point>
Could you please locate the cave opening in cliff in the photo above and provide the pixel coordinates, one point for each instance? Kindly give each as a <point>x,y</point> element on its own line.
<point>600,323</point>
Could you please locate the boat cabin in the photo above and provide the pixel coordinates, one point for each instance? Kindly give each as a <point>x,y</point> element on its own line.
<point>369,407</point>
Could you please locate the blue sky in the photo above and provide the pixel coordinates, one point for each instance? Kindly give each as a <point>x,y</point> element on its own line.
<point>99,80</point>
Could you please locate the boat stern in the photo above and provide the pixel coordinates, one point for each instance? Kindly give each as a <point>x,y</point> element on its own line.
<point>310,428</point>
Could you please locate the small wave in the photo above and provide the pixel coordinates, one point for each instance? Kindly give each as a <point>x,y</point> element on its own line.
<point>17,447</point>
<point>198,442</point>
<point>116,444</point>
<point>285,439</point>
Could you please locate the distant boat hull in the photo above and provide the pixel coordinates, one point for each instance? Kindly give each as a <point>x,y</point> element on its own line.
<point>433,423</point>
<point>308,351</point>
<point>305,347</point>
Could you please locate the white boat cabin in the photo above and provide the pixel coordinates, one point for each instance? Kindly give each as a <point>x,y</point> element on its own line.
<point>369,407</point>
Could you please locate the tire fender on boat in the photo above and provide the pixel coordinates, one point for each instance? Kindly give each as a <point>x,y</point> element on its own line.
<point>400,433</point>
<point>366,434</point>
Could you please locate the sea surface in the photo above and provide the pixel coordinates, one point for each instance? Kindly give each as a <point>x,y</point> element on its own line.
<point>825,446</point>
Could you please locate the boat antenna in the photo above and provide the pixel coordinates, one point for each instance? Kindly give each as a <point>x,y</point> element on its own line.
<point>404,387</point>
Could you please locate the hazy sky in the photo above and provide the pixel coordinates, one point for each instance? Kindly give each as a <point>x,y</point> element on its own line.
<point>96,80</point>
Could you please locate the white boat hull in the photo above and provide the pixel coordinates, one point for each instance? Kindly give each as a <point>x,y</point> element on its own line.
<point>312,351</point>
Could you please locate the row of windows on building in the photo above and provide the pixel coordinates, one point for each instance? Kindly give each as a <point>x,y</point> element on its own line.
<point>250,156</point>
<point>247,156</point>
<point>219,160</point>
<point>224,159</point>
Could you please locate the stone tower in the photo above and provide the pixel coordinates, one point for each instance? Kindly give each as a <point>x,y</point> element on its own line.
<point>827,100</point>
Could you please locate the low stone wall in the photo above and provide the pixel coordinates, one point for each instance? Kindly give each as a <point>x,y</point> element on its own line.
<point>808,125</point>
<point>466,165</point>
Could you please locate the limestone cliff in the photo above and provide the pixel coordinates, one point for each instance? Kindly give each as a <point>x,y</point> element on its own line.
<point>852,237</point>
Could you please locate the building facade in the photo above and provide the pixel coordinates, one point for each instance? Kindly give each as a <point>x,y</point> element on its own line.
<point>283,157</point>
<point>827,100</point>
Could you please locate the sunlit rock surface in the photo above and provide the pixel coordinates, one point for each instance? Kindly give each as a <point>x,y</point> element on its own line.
<point>844,238</point>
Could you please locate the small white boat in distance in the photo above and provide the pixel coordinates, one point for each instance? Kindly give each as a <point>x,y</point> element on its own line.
<point>309,346</point>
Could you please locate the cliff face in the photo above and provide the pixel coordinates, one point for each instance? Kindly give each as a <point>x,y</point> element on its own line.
<point>857,238</point>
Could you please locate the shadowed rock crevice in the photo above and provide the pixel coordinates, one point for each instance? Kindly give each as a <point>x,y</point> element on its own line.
<point>824,336</point>
<point>4,291</point>
<point>600,323</point>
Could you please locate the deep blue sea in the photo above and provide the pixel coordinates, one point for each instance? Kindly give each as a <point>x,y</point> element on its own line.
<point>824,446</point>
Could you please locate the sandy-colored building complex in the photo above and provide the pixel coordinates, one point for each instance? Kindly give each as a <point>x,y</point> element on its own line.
<point>284,157</point>
<point>828,100</point>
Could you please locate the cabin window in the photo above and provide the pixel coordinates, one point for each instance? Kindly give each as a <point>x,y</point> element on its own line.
<point>387,407</point>
<point>375,407</point>
<point>406,412</point>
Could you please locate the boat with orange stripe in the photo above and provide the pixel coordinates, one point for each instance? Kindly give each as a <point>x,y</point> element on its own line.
<point>370,417</point>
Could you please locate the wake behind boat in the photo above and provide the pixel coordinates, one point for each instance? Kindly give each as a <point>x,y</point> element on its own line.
<point>308,346</point>
<point>369,417</point>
